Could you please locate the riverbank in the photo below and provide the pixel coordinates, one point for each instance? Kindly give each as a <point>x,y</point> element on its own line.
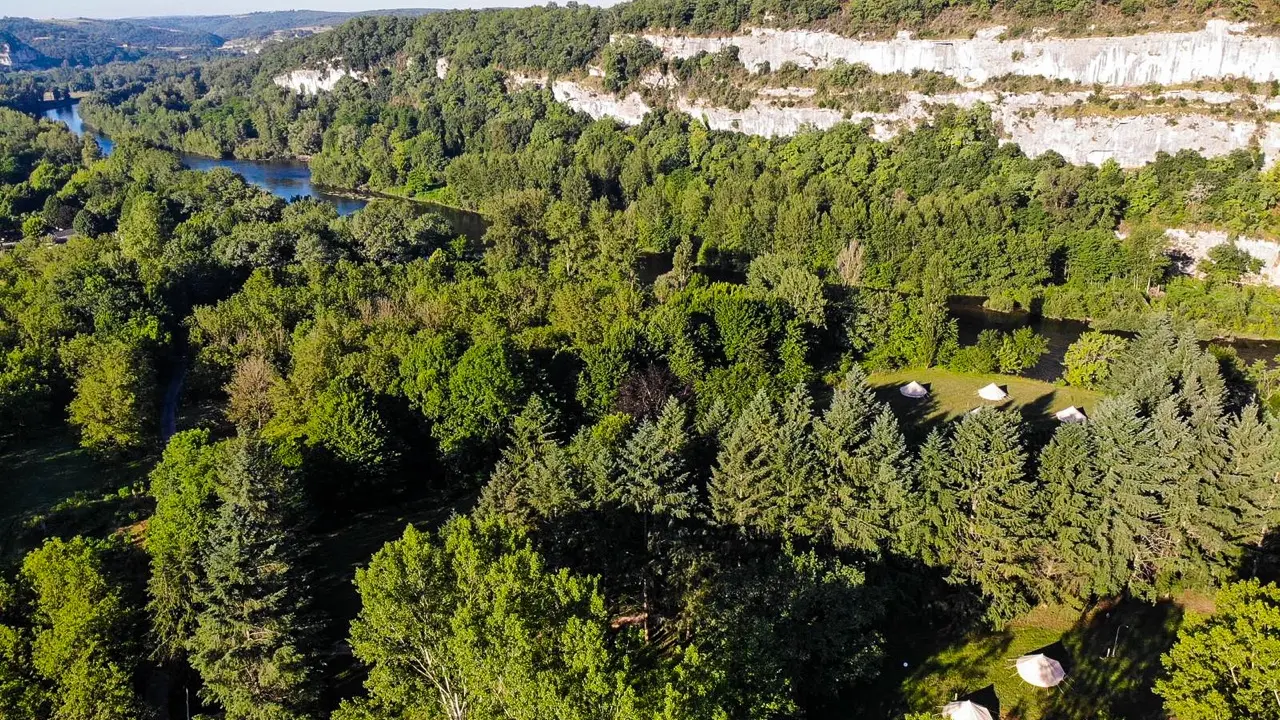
<point>1061,332</point>
<point>284,178</point>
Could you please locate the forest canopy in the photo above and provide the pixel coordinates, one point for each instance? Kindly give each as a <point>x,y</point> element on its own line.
<point>637,448</point>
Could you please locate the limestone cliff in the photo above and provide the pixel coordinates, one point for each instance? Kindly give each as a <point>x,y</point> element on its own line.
<point>310,82</point>
<point>1220,50</point>
<point>17,55</point>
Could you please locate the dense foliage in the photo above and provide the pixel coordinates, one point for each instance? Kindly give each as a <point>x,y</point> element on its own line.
<point>627,453</point>
<point>946,205</point>
<point>1226,665</point>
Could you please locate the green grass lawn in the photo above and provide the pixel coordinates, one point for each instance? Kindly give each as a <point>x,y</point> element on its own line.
<point>38,475</point>
<point>1111,653</point>
<point>952,394</point>
<point>50,485</point>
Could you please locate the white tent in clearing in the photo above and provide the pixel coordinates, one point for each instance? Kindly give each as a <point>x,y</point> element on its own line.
<point>1040,670</point>
<point>1072,414</point>
<point>965,710</point>
<point>993,393</point>
<point>914,389</point>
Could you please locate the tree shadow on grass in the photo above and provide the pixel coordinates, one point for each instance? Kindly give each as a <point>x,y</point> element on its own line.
<point>1115,654</point>
<point>917,416</point>
<point>954,674</point>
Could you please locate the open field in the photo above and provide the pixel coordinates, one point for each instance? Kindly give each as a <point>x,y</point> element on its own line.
<point>953,394</point>
<point>1111,653</point>
<point>37,476</point>
<point>52,486</point>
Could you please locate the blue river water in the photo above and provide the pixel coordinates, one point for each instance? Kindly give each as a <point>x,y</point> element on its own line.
<point>284,178</point>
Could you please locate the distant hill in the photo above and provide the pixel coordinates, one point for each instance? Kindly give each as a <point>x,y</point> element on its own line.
<point>85,42</point>
<point>261,24</point>
<point>17,55</point>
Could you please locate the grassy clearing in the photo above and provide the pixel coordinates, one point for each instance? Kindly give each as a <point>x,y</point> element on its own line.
<point>953,394</point>
<point>38,475</point>
<point>52,486</point>
<point>1111,653</point>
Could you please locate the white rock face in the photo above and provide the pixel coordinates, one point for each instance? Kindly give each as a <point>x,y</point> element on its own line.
<point>1134,141</point>
<point>310,82</point>
<point>1196,245</point>
<point>442,67</point>
<point>18,58</point>
<point>1220,50</point>
<point>628,111</point>
<point>1027,120</point>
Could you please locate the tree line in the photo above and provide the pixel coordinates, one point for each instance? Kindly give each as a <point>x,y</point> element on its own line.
<point>1039,234</point>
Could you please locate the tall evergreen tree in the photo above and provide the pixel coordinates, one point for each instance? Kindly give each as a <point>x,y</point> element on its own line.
<point>998,530</point>
<point>653,482</point>
<point>252,635</point>
<point>653,477</point>
<point>844,511</point>
<point>796,467</point>
<point>1253,479</point>
<point>934,519</point>
<point>891,469</point>
<point>1066,476</point>
<point>742,482</point>
<point>1190,529</point>
<point>534,479</point>
<point>1143,371</point>
<point>1123,503</point>
<point>863,486</point>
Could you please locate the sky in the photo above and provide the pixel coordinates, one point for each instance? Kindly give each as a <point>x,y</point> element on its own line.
<point>136,8</point>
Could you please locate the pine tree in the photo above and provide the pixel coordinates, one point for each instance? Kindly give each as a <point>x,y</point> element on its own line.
<point>1123,504</point>
<point>796,467</point>
<point>847,510</point>
<point>997,535</point>
<point>653,481</point>
<point>933,524</point>
<point>1066,475</point>
<point>652,471</point>
<point>1175,546</point>
<point>1143,370</point>
<point>715,424</point>
<point>1204,395</point>
<point>742,482</point>
<point>1253,482</point>
<point>534,478</point>
<point>252,636</point>
<point>887,447</point>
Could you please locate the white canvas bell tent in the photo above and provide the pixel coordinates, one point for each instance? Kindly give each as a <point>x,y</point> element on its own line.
<point>914,390</point>
<point>993,393</point>
<point>1072,414</point>
<point>965,710</point>
<point>1040,670</point>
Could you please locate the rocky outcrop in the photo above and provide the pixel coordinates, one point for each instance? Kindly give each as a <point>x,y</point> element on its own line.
<point>16,55</point>
<point>1192,246</point>
<point>629,110</point>
<point>310,82</point>
<point>1029,120</point>
<point>1221,50</point>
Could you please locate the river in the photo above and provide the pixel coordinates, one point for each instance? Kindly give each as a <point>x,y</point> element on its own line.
<point>287,179</point>
<point>291,178</point>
